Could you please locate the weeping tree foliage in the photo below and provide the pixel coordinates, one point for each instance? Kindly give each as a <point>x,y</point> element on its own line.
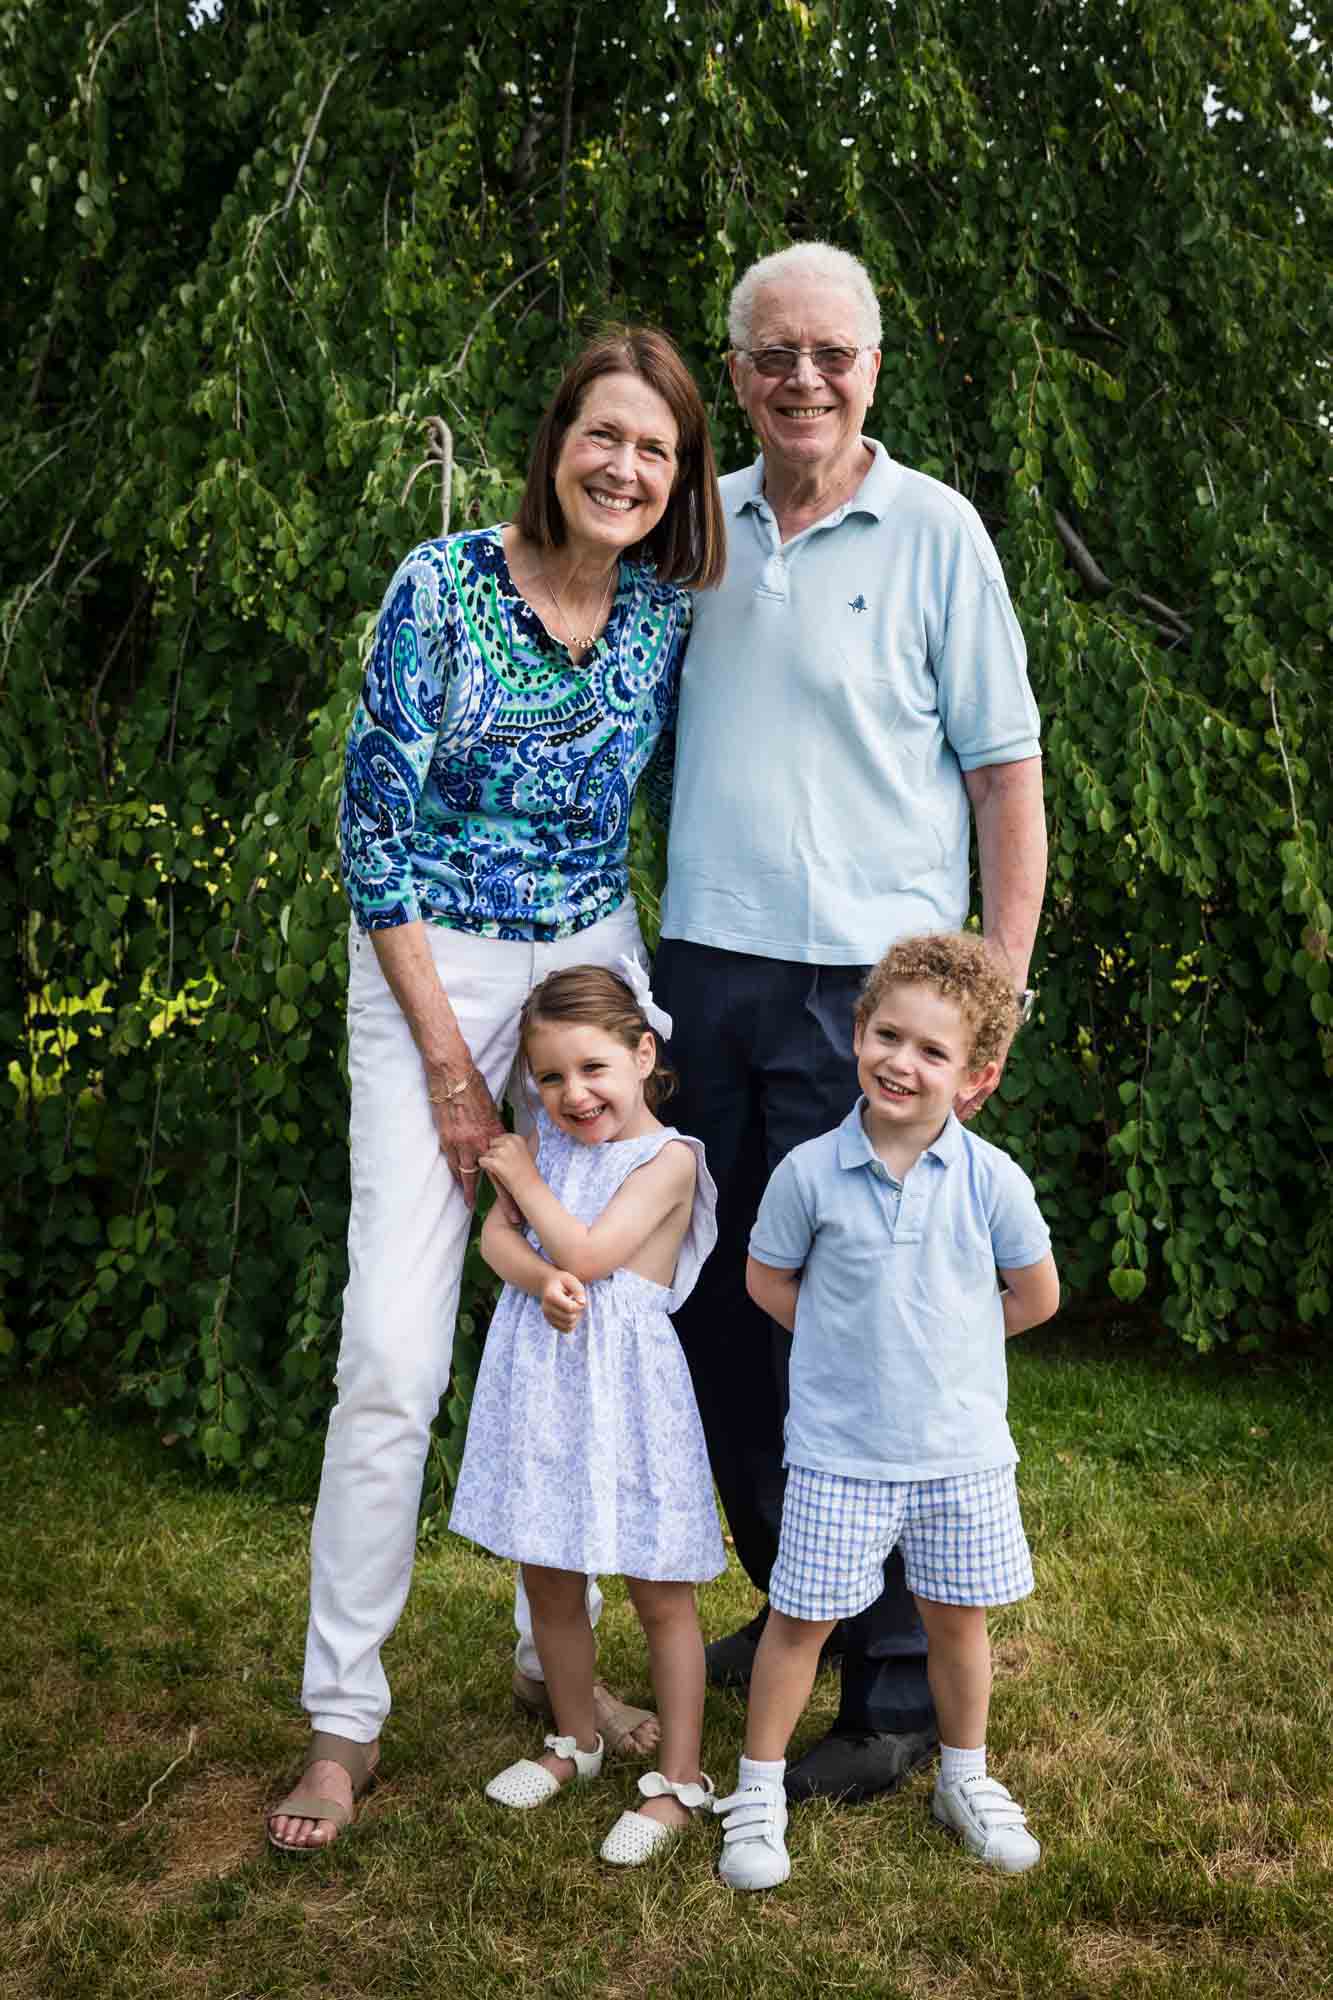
<point>267,264</point>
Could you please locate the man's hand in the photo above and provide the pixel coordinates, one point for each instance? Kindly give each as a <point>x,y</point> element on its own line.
<point>967,1103</point>
<point>466,1125</point>
<point>563,1301</point>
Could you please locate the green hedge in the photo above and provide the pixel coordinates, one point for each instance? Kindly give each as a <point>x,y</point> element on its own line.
<point>250,258</point>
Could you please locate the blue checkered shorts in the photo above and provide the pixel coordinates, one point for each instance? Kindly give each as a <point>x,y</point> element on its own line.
<point>962,1541</point>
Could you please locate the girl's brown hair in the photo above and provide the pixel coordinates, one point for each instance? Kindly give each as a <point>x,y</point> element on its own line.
<point>688,545</point>
<point>959,967</point>
<point>593,997</point>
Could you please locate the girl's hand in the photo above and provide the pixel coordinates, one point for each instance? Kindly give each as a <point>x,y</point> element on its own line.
<point>509,1162</point>
<point>563,1301</point>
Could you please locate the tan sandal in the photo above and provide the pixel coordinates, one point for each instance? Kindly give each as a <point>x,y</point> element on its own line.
<point>359,1760</point>
<point>616,1720</point>
<point>531,1698</point>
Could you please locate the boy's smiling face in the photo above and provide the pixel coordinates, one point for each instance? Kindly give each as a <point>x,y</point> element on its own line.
<point>912,1062</point>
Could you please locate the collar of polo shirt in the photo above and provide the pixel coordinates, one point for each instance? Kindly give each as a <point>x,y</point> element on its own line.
<point>855,1149</point>
<point>873,496</point>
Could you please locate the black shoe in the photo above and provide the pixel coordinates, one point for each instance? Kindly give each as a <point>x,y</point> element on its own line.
<point>729,1662</point>
<point>853,1765</point>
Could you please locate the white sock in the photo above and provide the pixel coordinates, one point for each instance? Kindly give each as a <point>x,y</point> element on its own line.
<point>955,1765</point>
<point>754,1771</point>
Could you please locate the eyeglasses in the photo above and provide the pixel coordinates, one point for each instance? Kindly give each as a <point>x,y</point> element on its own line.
<point>777,362</point>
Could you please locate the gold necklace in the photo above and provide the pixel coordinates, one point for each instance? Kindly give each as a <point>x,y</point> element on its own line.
<point>577,642</point>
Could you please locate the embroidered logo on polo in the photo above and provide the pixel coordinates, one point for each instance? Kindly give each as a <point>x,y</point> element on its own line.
<point>857,603</point>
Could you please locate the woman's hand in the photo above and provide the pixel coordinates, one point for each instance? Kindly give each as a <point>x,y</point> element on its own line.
<point>467,1124</point>
<point>563,1301</point>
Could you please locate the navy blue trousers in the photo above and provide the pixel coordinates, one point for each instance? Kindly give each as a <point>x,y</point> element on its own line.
<point>762,1050</point>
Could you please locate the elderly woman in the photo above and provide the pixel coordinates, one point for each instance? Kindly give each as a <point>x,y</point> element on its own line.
<point>521,677</point>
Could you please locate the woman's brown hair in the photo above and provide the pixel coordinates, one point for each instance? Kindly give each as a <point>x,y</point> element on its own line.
<point>592,997</point>
<point>688,544</point>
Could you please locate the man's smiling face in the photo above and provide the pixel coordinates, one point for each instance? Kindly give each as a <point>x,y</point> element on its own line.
<point>806,422</point>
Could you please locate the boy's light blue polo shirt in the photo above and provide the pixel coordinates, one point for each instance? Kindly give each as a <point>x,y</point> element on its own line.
<point>897,1362</point>
<point>835,689</point>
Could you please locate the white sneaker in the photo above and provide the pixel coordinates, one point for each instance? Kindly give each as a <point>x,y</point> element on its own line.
<point>754,1852</point>
<point>993,1825</point>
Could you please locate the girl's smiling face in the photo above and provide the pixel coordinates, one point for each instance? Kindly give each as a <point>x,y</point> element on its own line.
<point>591,1083</point>
<point>912,1061</point>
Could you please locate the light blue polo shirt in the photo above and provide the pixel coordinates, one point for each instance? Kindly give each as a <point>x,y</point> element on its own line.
<point>897,1362</point>
<point>835,689</point>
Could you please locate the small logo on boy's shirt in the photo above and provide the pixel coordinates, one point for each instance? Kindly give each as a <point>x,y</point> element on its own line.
<point>857,603</point>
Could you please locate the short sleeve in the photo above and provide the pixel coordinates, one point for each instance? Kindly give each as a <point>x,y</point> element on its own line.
<point>1019,1235</point>
<point>986,705</point>
<point>784,1227</point>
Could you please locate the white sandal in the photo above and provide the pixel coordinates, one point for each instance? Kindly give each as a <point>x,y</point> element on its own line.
<point>528,1783</point>
<point>635,1838</point>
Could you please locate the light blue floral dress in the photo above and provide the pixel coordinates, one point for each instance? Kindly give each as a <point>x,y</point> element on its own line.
<point>585,1450</point>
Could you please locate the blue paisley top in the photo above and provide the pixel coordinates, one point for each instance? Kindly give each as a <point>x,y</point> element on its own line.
<point>488,779</point>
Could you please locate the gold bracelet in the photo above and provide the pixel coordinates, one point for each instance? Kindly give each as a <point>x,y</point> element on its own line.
<point>454,1090</point>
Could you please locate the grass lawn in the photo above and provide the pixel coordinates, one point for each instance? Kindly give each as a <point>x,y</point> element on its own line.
<point>1162,1708</point>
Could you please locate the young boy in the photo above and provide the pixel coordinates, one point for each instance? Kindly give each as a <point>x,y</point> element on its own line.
<point>878,1245</point>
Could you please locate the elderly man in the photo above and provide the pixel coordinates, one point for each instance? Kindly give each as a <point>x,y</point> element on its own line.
<point>856,684</point>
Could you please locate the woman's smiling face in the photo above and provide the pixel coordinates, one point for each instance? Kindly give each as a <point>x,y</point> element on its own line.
<point>617,466</point>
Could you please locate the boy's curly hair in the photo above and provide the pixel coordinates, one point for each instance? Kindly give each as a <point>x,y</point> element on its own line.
<point>959,967</point>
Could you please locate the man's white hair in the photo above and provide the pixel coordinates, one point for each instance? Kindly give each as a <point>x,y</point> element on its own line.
<point>822,261</point>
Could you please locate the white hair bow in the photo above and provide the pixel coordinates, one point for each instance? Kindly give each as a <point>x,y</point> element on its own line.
<point>635,977</point>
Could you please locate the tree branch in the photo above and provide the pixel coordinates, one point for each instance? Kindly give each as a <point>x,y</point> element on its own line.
<point>1098,582</point>
<point>439,451</point>
<point>100,682</point>
<point>1093,325</point>
<point>566,134</point>
<point>310,138</point>
<point>498,300</point>
<point>86,90</point>
<point>1168,623</point>
<point>12,623</point>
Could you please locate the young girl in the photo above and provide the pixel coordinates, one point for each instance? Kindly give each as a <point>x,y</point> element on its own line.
<point>585,1453</point>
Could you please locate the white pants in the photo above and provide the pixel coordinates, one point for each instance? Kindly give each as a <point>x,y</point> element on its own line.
<point>406,1237</point>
